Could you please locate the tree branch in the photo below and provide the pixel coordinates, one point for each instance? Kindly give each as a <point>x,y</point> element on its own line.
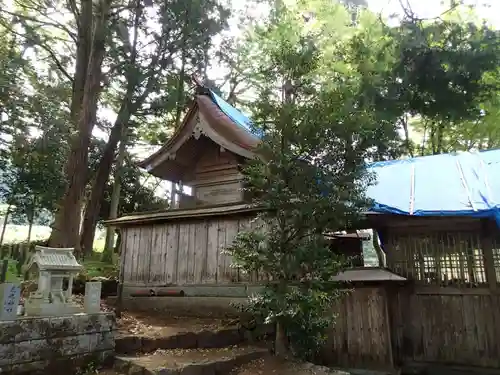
<point>50,23</point>
<point>38,43</point>
<point>71,4</point>
<point>410,14</point>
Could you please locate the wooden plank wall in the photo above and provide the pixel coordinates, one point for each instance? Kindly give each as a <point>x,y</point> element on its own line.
<point>361,335</point>
<point>182,252</point>
<point>459,329</point>
<point>375,327</point>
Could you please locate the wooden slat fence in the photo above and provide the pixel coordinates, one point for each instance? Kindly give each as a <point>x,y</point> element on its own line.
<point>361,334</point>
<point>415,328</point>
<point>447,329</point>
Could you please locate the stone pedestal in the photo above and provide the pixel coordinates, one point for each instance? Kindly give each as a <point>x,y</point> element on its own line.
<point>35,307</point>
<point>55,345</point>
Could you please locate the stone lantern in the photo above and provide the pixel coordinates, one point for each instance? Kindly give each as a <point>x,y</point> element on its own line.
<point>52,266</point>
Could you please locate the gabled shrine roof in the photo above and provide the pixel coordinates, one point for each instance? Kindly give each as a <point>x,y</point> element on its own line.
<point>209,116</point>
<point>461,184</point>
<point>237,116</point>
<point>49,258</point>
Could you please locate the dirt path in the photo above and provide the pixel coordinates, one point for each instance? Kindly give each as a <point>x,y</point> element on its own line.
<point>157,325</point>
<point>273,365</point>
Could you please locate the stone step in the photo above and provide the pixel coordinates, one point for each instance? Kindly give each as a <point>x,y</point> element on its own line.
<point>217,361</point>
<point>131,344</point>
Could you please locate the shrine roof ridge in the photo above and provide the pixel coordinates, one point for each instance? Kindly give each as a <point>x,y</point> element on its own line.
<point>50,258</point>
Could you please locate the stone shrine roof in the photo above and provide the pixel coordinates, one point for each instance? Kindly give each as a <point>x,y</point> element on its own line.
<point>49,258</point>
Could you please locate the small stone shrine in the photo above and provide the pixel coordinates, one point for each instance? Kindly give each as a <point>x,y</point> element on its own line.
<point>52,266</point>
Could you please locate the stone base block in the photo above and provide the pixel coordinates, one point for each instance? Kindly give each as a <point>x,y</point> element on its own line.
<point>30,344</point>
<point>50,309</point>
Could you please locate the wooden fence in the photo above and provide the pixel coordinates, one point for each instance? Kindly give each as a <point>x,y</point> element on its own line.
<point>459,329</point>
<point>361,335</point>
<point>381,327</point>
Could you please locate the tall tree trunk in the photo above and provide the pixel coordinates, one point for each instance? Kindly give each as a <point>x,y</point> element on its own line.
<point>30,228</point>
<point>404,123</point>
<point>107,255</point>
<point>180,92</point>
<point>281,341</point>
<point>65,230</point>
<point>4,225</point>
<point>182,74</point>
<point>440,135</point>
<point>103,170</point>
<point>127,108</point>
<point>84,47</point>
<point>424,140</point>
<point>31,218</point>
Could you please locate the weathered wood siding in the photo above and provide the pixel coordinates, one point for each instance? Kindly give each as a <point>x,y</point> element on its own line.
<point>361,334</point>
<point>215,178</point>
<point>221,192</point>
<point>459,329</point>
<point>186,252</point>
<point>376,328</point>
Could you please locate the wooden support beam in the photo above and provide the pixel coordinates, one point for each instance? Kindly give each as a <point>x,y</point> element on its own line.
<point>487,240</point>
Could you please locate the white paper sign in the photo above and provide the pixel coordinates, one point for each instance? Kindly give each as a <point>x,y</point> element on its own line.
<point>9,297</point>
<point>92,301</point>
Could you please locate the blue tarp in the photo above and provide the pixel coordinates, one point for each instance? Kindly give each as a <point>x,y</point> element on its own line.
<point>463,184</point>
<point>238,117</point>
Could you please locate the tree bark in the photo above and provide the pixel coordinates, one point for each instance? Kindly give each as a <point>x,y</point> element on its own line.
<point>404,123</point>
<point>182,76</point>
<point>115,200</point>
<point>440,135</point>
<point>84,47</point>
<point>94,204</point>
<point>31,218</point>
<point>30,228</point>
<point>127,108</point>
<point>281,342</point>
<point>4,226</point>
<point>65,230</point>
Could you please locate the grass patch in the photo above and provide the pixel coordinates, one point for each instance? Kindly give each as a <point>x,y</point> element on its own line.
<point>12,274</point>
<point>19,233</point>
<point>94,267</point>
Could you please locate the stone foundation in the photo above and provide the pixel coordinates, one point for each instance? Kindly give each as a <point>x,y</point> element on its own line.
<point>213,307</point>
<point>57,345</point>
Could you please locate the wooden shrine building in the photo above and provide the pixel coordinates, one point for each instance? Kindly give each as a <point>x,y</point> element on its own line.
<point>179,249</point>
<point>437,218</point>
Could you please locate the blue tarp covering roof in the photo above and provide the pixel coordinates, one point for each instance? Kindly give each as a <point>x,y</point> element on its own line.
<point>464,184</point>
<point>238,117</point>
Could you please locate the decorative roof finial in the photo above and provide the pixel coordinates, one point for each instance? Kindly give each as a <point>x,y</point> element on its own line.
<point>197,81</point>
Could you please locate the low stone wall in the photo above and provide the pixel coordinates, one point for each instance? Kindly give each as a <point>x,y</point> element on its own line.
<point>56,344</point>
